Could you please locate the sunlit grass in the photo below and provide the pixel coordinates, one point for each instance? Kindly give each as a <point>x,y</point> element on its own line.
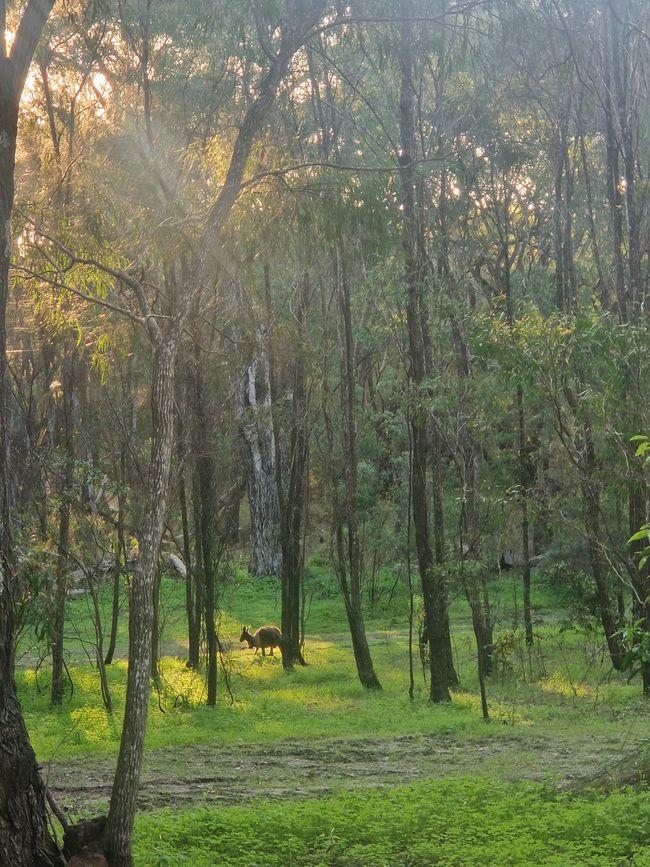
<point>560,686</point>
<point>324,699</point>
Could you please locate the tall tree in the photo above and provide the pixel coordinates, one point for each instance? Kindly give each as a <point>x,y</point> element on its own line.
<point>434,591</point>
<point>25,838</point>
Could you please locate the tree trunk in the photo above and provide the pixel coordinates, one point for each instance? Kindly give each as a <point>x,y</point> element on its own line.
<point>119,558</point>
<point>591,509</point>
<point>478,594</point>
<point>66,438</point>
<point>640,577</point>
<point>155,629</point>
<point>293,500</point>
<point>351,594</point>
<point>206,509</point>
<point>127,775</point>
<point>199,581</point>
<point>259,447</point>
<point>526,477</point>
<point>25,839</point>
<point>433,588</point>
<point>193,636</point>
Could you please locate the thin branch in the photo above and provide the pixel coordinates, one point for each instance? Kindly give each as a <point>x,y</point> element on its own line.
<point>259,26</point>
<point>91,299</point>
<point>340,167</point>
<point>398,19</point>
<point>119,274</point>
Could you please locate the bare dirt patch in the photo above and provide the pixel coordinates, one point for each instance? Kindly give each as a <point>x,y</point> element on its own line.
<point>234,774</point>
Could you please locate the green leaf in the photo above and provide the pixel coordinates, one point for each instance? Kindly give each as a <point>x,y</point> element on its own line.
<point>639,535</point>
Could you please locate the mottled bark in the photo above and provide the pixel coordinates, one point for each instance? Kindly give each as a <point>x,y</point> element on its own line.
<point>259,447</point>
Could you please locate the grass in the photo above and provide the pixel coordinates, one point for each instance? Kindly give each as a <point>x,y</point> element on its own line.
<point>458,822</point>
<point>556,709</point>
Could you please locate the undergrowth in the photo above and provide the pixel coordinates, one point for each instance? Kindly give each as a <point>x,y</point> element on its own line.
<point>453,822</point>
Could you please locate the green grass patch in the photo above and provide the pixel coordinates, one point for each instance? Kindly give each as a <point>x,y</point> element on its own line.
<point>455,822</point>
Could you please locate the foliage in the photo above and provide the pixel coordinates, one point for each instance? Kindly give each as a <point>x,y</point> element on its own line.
<point>636,641</point>
<point>472,822</point>
<point>576,591</point>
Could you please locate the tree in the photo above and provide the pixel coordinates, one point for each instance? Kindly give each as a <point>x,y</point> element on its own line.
<point>24,834</point>
<point>433,588</point>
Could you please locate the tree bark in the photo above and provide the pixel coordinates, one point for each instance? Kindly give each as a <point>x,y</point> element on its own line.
<point>206,508</point>
<point>259,446</point>
<point>66,438</point>
<point>119,558</point>
<point>127,775</point>
<point>433,588</point>
<point>351,593</point>
<point>293,500</point>
<point>25,839</point>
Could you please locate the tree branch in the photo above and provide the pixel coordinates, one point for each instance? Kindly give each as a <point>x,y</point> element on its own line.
<point>24,45</point>
<point>78,293</point>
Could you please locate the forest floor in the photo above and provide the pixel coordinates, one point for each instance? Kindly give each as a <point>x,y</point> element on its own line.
<point>195,775</point>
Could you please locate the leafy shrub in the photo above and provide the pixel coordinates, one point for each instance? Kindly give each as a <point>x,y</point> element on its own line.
<point>576,591</point>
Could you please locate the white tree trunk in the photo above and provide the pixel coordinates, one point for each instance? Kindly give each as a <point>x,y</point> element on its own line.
<point>259,446</point>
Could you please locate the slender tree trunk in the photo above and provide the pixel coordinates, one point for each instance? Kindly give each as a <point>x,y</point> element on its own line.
<point>525,466</point>
<point>193,636</point>
<point>526,475</point>
<point>479,593</point>
<point>624,68</point>
<point>591,508</point>
<point>99,645</point>
<point>433,588</point>
<point>127,775</point>
<point>293,500</point>
<point>66,437</point>
<point>613,177</point>
<point>640,577</point>
<point>352,595</point>
<point>155,629</point>
<point>119,558</point>
<point>204,457</point>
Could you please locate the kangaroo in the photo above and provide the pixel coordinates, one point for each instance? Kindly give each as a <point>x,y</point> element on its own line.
<point>265,636</point>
